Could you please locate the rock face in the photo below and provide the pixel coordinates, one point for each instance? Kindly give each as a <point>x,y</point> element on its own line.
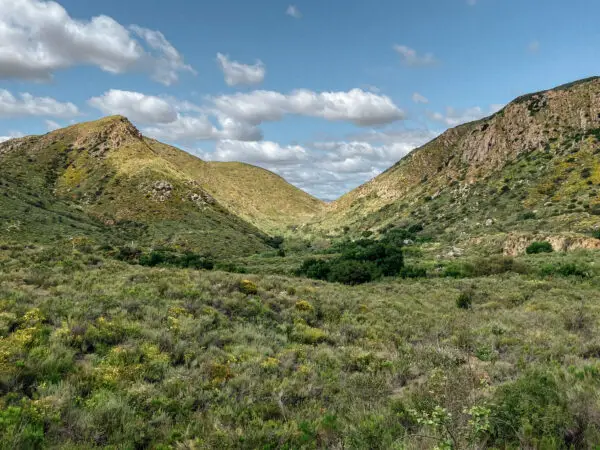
<point>161,191</point>
<point>516,244</point>
<point>117,133</point>
<point>457,163</point>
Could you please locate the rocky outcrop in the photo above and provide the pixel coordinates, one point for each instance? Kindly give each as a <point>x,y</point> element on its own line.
<point>466,155</point>
<point>161,191</point>
<point>117,133</point>
<point>516,243</point>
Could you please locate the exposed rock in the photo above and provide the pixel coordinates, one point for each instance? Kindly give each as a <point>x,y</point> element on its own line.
<point>161,191</point>
<point>489,222</point>
<point>202,199</point>
<point>516,243</point>
<point>115,134</point>
<point>455,252</point>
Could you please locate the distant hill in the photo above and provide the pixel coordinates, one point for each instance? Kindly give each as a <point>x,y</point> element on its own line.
<point>533,166</point>
<point>104,180</point>
<point>255,194</point>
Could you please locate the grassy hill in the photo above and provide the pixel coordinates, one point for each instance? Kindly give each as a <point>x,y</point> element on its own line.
<point>532,167</point>
<point>104,180</point>
<point>257,195</point>
<point>101,180</point>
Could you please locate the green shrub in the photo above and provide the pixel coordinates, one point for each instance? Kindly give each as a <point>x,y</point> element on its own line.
<point>464,300</point>
<point>187,260</point>
<point>314,268</point>
<point>360,261</point>
<point>459,270</point>
<point>413,272</point>
<point>532,409</point>
<point>539,247</point>
<point>129,254</point>
<point>527,215</point>
<point>352,272</point>
<point>230,267</point>
<point>566,270</point>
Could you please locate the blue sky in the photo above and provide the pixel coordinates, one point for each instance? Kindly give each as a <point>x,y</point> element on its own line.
<point>325,93</point>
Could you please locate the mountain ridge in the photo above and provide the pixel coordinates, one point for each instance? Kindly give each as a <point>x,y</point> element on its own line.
<point>548,126</point>
<point>105,176</point>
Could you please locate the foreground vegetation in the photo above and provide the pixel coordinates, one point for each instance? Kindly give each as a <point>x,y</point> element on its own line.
<point>485,352</point>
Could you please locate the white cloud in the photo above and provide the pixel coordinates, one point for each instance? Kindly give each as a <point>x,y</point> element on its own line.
<point>454,117</point>
<point>11,135</point>
<point>51,125</point>
<point>356,106</point>
<point>237,73</point>
<point>263,152</point>
<point>199,128</point>
<point>326,169</point>
<point>411,58</point>
<point>418,98</point>
<point>184,128</point>
<point>164,61</point>
<point>146,109</point>
<point>28,105</point>
<point>38,38</point>
<point>294,12</point>
<point>237,117</point>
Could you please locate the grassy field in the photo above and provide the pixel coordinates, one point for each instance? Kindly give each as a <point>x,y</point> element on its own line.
<point>484,352</point>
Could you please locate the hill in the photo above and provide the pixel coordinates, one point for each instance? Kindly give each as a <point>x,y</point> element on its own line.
<point>255,194</point>
<point>102,180</point>
<point>532,167</point>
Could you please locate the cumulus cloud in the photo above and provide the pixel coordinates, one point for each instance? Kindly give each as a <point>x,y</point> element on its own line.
<point>454,117</point>
<point>11,135</point>
<point>28,105</point>
<point>198,128</point>
<point>412,58</point>
<point>238,116</point>
<point>39,37</point>
<point>357,106</point>
<point>237,73</point>
<point>145,109</point>
<point>326,169</point>
<point>418,98</point>
<point>294,12</point>
<point>184,128</point>
<point>264,152</point>
<point>51,125</point>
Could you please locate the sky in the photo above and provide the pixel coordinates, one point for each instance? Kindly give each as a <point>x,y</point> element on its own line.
<point>326,93</point>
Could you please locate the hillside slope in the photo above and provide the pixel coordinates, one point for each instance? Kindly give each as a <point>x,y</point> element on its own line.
<point>534,165</point>
<point>255,194</point>
<point>102,180</point>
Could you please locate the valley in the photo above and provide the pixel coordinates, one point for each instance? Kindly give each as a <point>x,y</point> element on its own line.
<point>150,299</point>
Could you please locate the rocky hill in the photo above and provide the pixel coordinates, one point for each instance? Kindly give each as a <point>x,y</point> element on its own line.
<point>103,179</point>
<point>533,166</point>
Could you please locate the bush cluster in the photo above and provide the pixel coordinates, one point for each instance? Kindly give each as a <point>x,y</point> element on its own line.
<point>165,258</point>
<point>483,267</point>
<point>539,247</point>
<point>359,262</point>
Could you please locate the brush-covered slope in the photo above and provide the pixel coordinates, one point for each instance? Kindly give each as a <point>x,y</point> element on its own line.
<point>257,195</point>
<point>535,165</point>
<point>102,180</point>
